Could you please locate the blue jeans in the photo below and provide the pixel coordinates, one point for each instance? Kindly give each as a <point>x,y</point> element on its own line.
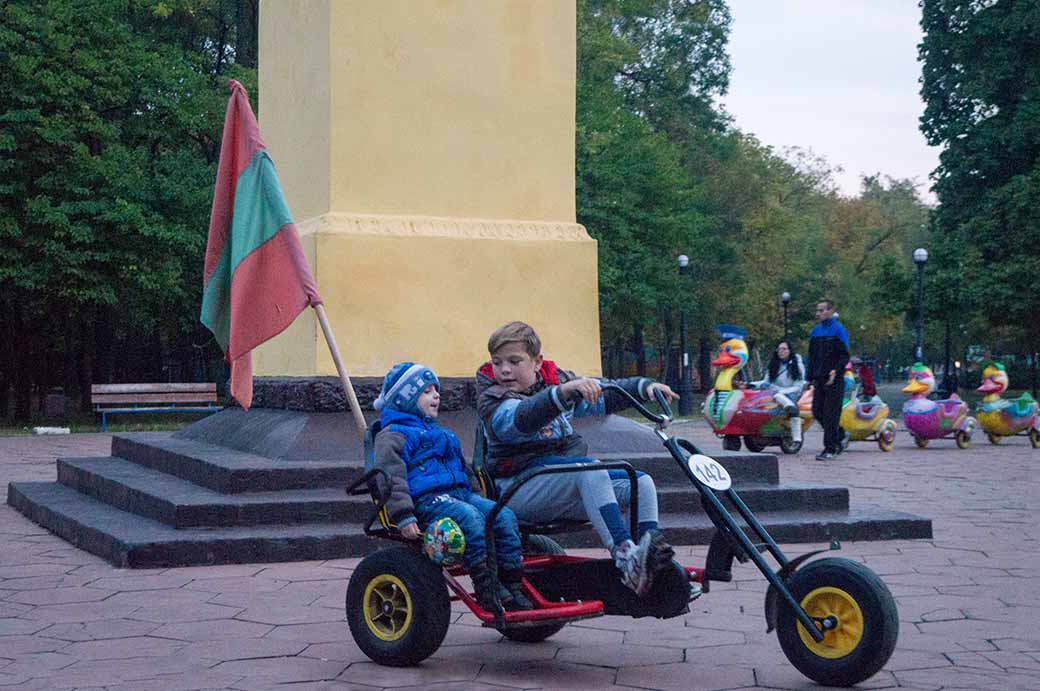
<point>470,510</point>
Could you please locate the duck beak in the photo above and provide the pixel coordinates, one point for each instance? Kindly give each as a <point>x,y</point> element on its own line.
<point>989,386</point>
<point>916,386</point>
<point>725,359</point>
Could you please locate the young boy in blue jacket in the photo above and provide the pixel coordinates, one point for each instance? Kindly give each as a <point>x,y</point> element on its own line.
<point>430,480</point>
<point>526,404</point>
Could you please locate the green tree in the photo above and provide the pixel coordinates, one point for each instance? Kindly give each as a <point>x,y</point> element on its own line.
<point>981,86</point>
<point>108,144</point>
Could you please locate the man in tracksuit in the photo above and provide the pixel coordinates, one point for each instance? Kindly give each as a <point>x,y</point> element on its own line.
<point>828,353</point>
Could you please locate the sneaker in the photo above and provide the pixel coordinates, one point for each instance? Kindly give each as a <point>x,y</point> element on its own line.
<point>659,552</point>
<point>631,562</point>
<point>639,563</point>
<point>825,456</point>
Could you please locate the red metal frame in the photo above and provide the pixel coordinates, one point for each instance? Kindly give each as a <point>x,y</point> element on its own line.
<point>546,610</point>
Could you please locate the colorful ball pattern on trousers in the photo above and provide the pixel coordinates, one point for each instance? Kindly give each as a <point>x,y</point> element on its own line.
<point>444,542</point>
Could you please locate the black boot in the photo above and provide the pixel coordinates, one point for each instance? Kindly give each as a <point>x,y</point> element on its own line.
<point>485,589</point>
<point>511,580</point>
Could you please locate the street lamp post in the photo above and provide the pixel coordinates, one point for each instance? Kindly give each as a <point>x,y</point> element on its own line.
<point>920,258</point>
<point>685,375</point>
<point>785,298</point>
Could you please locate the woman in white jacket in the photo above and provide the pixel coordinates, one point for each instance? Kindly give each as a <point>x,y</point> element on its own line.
<point>785,377</point>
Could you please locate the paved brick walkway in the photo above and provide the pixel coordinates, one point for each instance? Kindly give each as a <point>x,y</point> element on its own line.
<point>969,601</point>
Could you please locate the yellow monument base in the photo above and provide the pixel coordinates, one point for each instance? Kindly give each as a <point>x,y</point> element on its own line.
<point>433,289</point>
<point>426,150</point>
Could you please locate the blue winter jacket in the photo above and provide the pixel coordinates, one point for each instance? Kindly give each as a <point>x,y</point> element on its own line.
<point>421,457</point>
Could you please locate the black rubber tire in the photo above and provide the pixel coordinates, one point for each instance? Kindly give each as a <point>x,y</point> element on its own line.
<point>754,444</point>
<point>963,439</point>
<point>921,442</point>
<point>539,545</point>
<point>880,622</point>
<point>993,438</point>
<point>790,446</point>
<point>1034,437</point>
<point>731,442</point>
<point>430,606</point>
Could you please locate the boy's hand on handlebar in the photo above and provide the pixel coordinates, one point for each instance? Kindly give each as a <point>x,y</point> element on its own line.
<point>583,387</point>
<point>663,388</point>
<point>410,531</point>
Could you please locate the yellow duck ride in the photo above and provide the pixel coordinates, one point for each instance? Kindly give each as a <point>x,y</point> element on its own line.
<point>1004,417</point>
<point>865,420</point>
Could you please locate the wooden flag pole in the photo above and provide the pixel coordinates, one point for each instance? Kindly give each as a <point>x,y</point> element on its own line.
<point>355,407</point>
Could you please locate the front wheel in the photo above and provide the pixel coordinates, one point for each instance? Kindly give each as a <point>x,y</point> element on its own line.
<point>921,442</point>
<point>398,609</point>
<point>854,608</point>
<point>790,446</point>
<point>963,439</point>
<point>993,438</point>
<point>731,442</point>
<point>754,444</point>
<point>886,438</point>
<point>1034,437</point>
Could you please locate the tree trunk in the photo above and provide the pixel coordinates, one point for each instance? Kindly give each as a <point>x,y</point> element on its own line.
<point>704,364</point>
<point>246,23</point>
<point>22,365</point>
<point>639,348</point>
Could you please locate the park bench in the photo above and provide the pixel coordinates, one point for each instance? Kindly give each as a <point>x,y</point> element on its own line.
<point>112,399</point>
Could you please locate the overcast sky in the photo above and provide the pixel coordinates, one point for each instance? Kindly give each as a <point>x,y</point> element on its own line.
<point>837,76</point>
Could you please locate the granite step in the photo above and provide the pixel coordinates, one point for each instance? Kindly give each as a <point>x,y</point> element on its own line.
<point>182,504</point>
<point>129,540</point>
<point>858,523</point>
<point>743,467</point>
<point>226,470</point>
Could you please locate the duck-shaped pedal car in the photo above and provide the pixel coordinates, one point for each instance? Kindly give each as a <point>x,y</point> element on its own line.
<point>751,414</point>
<point>864,416</point>
<point>926,419</point>
<point>1006,417</point>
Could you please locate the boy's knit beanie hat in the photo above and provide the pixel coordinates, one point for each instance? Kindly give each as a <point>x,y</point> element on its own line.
<point>402,386</point>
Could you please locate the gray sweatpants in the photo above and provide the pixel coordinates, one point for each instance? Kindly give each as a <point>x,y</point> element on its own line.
<point>579,497</point>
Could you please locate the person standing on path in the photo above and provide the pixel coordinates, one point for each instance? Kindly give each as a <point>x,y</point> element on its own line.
<point>828,353</point>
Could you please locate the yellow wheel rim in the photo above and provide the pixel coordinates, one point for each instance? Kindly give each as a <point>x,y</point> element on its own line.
<point>388,607</point>
<point>841,640</point>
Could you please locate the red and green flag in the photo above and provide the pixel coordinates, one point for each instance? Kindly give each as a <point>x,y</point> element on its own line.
<point>256,279</point>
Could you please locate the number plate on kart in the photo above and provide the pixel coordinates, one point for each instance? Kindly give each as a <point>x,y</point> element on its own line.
<point>709,471</point>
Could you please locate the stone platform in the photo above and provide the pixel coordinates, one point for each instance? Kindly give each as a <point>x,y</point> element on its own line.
<point>272,490</point>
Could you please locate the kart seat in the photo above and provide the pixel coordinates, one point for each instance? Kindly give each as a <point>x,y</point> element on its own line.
<point>489,490</point>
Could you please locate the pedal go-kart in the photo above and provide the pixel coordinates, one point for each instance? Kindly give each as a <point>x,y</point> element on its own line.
<point>865,420</point>
<point>926,419</point>
<point>1006,417</point>
<point>835,619</point>
<point>751,414</point>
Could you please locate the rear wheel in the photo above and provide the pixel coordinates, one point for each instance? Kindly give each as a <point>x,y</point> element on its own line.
<point>397,605</point>
<point>754,444</point>
<point>1034,437</point>
<point>963,439</point>
<point>921,442</point>
<point>790,446</point>
<point>855,610</point>
<point>538,545</point>
<point>731,442</point>
<point>993,438</point>
<point>886,438</point>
